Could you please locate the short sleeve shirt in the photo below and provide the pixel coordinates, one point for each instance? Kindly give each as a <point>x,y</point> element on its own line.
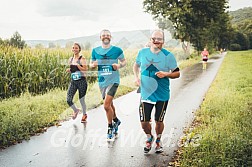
<point>153,88</point>
<point>204,53</point>
<point>106,57</point>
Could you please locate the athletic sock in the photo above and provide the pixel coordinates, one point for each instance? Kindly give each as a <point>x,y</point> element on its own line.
<point>159,137</point>
<point>149,136</point>
<point>115,119</point>
<point>110,125</point>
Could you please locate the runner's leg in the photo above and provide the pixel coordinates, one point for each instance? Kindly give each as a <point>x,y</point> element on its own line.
<point>161,107</point>
<point>108,108</point>
<point>145,116</point>
<point>82,88</point>
<point>70,94</point>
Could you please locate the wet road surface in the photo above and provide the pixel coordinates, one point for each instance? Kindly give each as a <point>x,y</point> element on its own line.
<point>77,144</point>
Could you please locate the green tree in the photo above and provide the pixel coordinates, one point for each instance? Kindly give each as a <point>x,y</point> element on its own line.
<point>166,24</point>
<point>242,40</point>
<point>227,32</point>
<point>246,27</point>
<point>242,24</point>
<point>16,41</point>
<point>241,15</point>
<point>195,21</point>
<point>1,41</point>
<point>250,40</point>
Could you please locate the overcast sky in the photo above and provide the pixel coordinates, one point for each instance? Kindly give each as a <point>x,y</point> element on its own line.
<point>63,19</point>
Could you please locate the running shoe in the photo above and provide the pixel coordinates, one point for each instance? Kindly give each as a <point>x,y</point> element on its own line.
<point>75,114</point>
<point>159,148</point>
<point>115,126</point>
<point>84,118</point>
<point>149,142</point>
<point>110,134</point>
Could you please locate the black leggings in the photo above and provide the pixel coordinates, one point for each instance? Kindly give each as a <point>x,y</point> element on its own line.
<point>81,86</point>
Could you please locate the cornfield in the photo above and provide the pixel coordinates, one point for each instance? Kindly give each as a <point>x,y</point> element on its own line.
<point>32,70</point>
<point>39,70</point>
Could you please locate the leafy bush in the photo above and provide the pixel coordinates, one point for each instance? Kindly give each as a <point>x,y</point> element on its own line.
<point>235,47</point>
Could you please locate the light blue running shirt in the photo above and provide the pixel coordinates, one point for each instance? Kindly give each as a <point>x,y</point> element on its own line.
<point>106,57</point>
<point>153,88</point>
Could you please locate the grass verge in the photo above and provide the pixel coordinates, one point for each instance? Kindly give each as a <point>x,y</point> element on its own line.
<point>27,115</point>
<point>223,125</point>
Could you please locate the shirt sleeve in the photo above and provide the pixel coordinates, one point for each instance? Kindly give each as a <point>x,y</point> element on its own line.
<point>121,54</point>
<point>93,55</point>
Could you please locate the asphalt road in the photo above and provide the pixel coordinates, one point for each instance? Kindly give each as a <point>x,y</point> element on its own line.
<point>76,144</point>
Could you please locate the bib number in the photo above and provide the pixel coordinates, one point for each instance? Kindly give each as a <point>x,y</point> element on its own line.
<point>106,70</point>
<point>76,75</point>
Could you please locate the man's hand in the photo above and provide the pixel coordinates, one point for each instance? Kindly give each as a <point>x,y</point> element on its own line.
<point>94,64</point>
<point>161,74</point>
<point>171,75</point>
<point>116,66</point>
<point>137,82</point>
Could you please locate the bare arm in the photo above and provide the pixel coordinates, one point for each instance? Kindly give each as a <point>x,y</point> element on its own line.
<point>93,64</point>
<point>69,62</point>
<point>120,65</point>
<point>172,75</point>
<point>136,71</point>
<point>84,65</point>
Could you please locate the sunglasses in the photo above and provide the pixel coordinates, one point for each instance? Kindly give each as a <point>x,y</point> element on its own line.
<point>106,35</point>
<point>157,39</point>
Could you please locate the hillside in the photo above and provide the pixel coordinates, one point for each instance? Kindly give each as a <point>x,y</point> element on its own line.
<point>241,15</point>
<point>124,39</point>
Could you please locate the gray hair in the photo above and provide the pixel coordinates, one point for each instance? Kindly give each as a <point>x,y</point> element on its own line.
<point>105,30</point>
<point>158,30</point>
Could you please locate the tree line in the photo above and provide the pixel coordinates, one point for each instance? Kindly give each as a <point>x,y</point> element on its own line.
<point>15,41</point>
<point>242,23</point>
<point>203,23</point>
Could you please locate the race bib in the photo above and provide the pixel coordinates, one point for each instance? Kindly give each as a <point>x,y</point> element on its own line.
<point>76,75</point>
<point>106,70</point>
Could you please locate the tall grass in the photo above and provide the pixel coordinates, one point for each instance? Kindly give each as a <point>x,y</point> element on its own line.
<point>31,70</point>
<point>225,118</point>
<point>39,70</point>
<point>27,115</point>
